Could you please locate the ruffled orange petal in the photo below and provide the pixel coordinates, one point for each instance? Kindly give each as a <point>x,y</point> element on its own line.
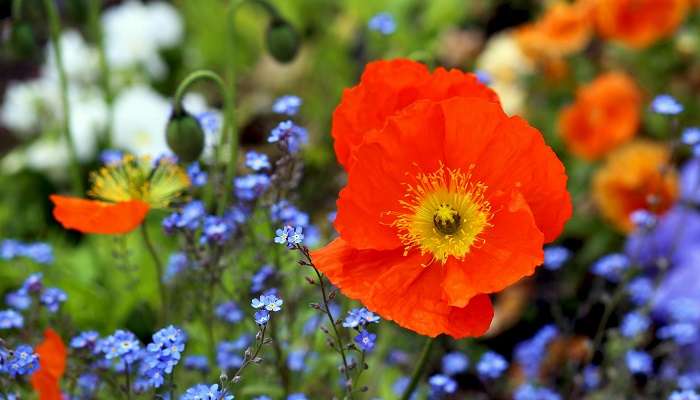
<point>377,184</point>
<point>91,216</point>
<point>403,289</point>
<point>605,115</point>
<point>511,250</point>
<point>386,88</point>
<point>507,154</point>
<point>52,365</point>
<point>639,23</point>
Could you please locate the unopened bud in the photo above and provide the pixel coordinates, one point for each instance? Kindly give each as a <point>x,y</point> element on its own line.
<point>282,40</point>
<point>184,136</point>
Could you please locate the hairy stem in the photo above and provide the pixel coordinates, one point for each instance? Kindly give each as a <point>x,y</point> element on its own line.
<point>420,369</point>
<point>159,273</point>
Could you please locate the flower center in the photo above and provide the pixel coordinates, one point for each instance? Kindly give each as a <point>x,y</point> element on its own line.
<point>443,214</point>
<point>157,184</point>
<point>446,219</point>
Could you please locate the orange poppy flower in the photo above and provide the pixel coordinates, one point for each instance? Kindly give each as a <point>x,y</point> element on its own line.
<point>563,29</point>
<point>126,191</point>
<point>639,23</point>
<point>635,177</point>
<point>52,365</point>
<point>606,114</point>
<point>386,88</point>
<point>449,201</point>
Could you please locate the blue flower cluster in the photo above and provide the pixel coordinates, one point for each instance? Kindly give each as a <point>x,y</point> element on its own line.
<point>121,346</point>
<point>20,361</point>
<point>204,392</point>
<point>38,252</point>
<point>383,23</point>
<point>287,104</point>
<point>266,303</point>
<point>289,136</point>
<point>530,353</point>
<point>162,355</point>
<point>289,236</point>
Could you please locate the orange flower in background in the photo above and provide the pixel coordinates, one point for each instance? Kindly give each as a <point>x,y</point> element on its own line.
<point>450,200</point>
<point>52,365</point>
<point>565,28</point>
<point>126,191</point>
<point>639,23</point>
<point>606,114</point>
<point>387,87</point>
<point>635,177</point>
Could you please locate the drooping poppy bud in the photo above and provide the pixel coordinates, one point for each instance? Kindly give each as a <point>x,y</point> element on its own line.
<point>282,40</point>
<point>184,136</point>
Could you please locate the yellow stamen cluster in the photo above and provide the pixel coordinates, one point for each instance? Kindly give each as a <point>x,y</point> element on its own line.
<point>444,214</point>
<point>140,179</point>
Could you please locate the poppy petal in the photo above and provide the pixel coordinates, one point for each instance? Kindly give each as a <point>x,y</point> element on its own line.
<point>508,154</point>
<point>402,289</point>
<point>52,365</point>
<point>91,216</point>
<point>511,250</point>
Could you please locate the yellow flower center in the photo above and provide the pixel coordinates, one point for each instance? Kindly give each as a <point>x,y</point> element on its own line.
<point>139,179</point>
<point>444,214</point>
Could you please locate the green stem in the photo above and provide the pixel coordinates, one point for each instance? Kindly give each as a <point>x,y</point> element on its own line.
<point>191,79</point>
<point>420,368</point>
<point>127,374</point>
<point>159,272</point>
<point>230,129</point>
<point>55,30</point>
<point>96,28</point>
<point>16,9</point>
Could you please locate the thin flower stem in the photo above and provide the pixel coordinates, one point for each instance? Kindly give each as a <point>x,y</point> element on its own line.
<point>16,9</point>
<point>98,35</point>
<point>230,129</point>
<point>191,79</point>
<point>420,368</point>
<point>327,310</point>
<point>55,31</point>
<point>251,357</point>
<point>127,375</point>
<point>159,272</point>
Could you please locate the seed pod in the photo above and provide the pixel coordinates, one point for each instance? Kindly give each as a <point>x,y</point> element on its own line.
<point>282,40</point>
<point>184,136</point>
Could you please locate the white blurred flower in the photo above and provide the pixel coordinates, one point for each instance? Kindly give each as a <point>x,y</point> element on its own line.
<point>506,64</point>
<point>503,59</point>
<point>140,116</point>
<point>88,120</point>
<point>19,111</point>
<point>134,32</point>
<point>80,61</point>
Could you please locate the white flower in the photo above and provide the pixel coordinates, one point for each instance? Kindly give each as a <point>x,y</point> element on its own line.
<point>134,33</point>
<point>79,60</point>
<point>503,59</point>
<point>140,117</point>
<point>19,111</point>
<point>88,120</point>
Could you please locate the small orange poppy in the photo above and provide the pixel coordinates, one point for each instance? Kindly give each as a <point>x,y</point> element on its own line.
<point>448,201</point>
<point>94,216</point>
<point>635,177</point>
<point>563,29</point>
<point>389,87</point>
<point>605,115</point>
<point>639,23</point>
<point>126,191</point>
<point>52,365</point>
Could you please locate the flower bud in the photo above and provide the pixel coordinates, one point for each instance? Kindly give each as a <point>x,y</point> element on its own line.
<point>282,40</point>
<point>184,136</point>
